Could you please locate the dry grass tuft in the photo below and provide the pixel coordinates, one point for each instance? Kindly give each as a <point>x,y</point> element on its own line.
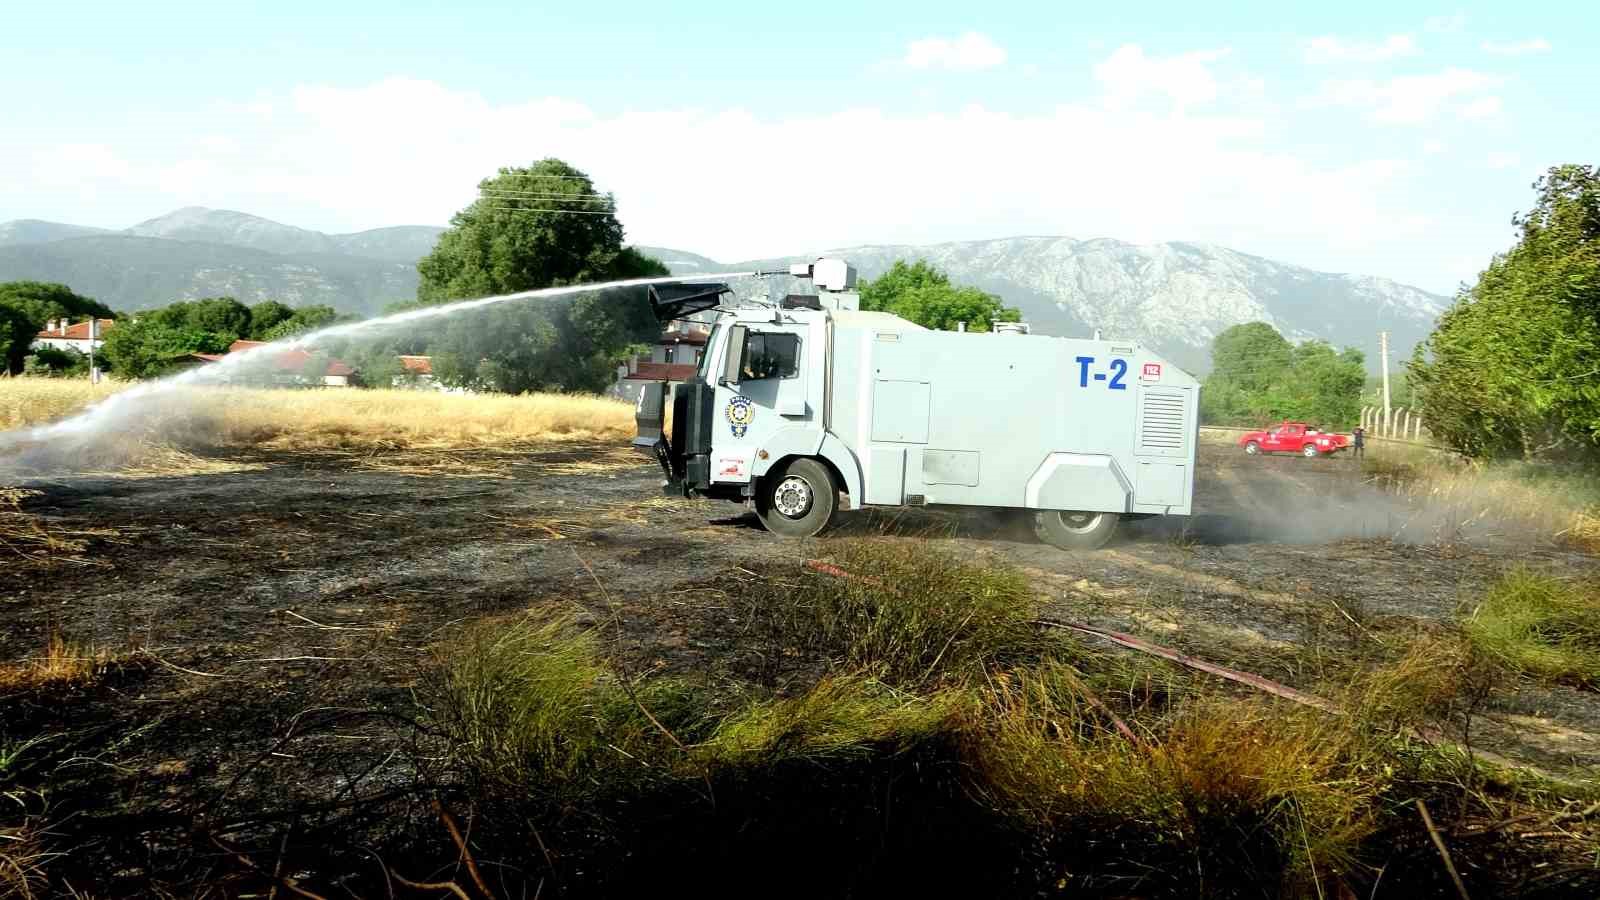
<point>156,428</point>
<point>341,418</point>
<point>1524,500</point>
<point>34,540</point>
<point>28,401</point>
<point>913,615</point>
<point>62,662</point>
<point>21,863</point>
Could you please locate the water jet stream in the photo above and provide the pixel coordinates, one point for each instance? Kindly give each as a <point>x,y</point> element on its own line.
<point>124,407</point>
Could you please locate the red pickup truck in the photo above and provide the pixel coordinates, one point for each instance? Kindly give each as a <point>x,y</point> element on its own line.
<point>1293,437</point>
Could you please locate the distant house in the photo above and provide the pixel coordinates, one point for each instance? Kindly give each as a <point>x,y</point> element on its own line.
<point>63,334</point>
<point>276,367</point>
<point>419,376</point>
<point>675,356</point>
<point>418,367</point>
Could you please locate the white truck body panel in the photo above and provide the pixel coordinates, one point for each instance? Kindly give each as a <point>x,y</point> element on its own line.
<point>907,415</point>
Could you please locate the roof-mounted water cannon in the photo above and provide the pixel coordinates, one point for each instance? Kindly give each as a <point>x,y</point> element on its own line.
<point>835,281</point>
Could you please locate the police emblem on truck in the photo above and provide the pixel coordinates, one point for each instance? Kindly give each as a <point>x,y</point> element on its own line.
<point>740,412</point>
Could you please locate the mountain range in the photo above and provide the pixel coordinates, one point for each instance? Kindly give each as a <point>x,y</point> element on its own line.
<point>198,252</point>
<point>1172,296</point>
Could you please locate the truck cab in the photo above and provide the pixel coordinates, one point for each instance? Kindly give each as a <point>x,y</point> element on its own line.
<point>810,404</point>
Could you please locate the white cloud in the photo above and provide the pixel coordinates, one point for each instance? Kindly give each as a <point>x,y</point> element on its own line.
<point>1482,108</point>
<point>1502,160</point>
<point>1516,48</point>
<point>1128,75</point>
<point>1330,49</point>
<point>1433,147</point>
<point>1411,99</point>
<point>968,53</point>
<point>1086,169</point>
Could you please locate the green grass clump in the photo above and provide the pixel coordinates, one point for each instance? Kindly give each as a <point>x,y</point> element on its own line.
<point>1541,626</point>
<point>840,716</point>
<point>534,704</point>
<point>914,616</point>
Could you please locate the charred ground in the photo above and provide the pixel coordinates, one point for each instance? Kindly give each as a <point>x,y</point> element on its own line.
<point>268,632</point>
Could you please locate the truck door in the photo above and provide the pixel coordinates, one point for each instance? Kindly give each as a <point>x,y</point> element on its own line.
<point>771,385</point>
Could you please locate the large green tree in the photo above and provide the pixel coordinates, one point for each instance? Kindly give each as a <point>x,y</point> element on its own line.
<point>534,227</point>
<point>266,315</point>
<point>1257,376</point>
<point>921,293</point>
<point>531,227</point>
<point>1513,368</point>
<point>25,307</point>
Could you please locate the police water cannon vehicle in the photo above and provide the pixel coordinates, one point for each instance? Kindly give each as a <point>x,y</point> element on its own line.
<point>799,402</point>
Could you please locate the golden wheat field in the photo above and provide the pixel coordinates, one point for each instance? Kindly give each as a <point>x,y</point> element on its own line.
<point>331,418</point>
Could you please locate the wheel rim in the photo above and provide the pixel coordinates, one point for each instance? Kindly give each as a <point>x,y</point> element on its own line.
<point>1309,451</point>
<point>1079,522</point>
<point>792,497</point>
<point>1251,449</point>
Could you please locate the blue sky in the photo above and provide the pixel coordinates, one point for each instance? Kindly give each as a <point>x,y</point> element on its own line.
<point>1384,139</point>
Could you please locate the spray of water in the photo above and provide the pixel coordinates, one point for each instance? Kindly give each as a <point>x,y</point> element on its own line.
<point>133,406</point>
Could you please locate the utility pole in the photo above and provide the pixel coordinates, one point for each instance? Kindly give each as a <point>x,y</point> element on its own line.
<point>94,377</point>
<point>1383,352</point>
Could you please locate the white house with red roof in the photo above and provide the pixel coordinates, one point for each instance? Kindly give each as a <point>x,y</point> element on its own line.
<point>675,356</point>
<point>64,334</point>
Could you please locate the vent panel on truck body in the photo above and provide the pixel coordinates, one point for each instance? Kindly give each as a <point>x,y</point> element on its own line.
<point>1164,424</point>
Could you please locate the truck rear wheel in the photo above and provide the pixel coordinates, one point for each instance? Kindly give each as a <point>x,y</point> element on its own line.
<point>1074,530</point>
<point>1252,448</point>
<point>799,500</point>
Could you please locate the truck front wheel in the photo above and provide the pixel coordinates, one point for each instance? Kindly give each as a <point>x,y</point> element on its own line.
<point>1252,448</point>
<point>1074,530</point>
<point>1309,451</point>
<point>799,500</point>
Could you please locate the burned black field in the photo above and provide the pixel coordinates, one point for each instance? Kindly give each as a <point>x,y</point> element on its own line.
<point>268,645</point>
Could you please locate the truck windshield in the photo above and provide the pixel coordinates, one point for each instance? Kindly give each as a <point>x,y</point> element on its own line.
<point>705,355</point>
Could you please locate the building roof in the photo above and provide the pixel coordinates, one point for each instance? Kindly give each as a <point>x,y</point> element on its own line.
<point>654,371</point>
<point>419,365</point>
<point>78,331</point>
<point>290,360</point>
<point>697,338</point>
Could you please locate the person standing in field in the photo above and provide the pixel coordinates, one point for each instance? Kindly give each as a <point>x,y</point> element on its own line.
<point>1358,444</point>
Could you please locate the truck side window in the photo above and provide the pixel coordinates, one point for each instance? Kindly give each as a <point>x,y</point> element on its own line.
<point>771,355</point>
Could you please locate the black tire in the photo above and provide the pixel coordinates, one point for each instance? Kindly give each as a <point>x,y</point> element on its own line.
<point>1069,530</point>
<point>1309,451</point>
<point>1251,448</point>
<point>799,500</point>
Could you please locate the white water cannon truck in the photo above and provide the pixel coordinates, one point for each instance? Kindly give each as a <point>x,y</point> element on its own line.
<point>799,402</point>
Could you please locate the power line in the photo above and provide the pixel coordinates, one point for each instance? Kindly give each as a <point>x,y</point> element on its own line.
<point>533,175</point>
<point>556,212</point>
<point>536,193</point>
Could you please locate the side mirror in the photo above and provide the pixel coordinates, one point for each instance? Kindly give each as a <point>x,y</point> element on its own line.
<point>733,355</point>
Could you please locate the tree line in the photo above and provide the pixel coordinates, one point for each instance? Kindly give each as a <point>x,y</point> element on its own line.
<point>1258,376</point>
<point>1513,368</point>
